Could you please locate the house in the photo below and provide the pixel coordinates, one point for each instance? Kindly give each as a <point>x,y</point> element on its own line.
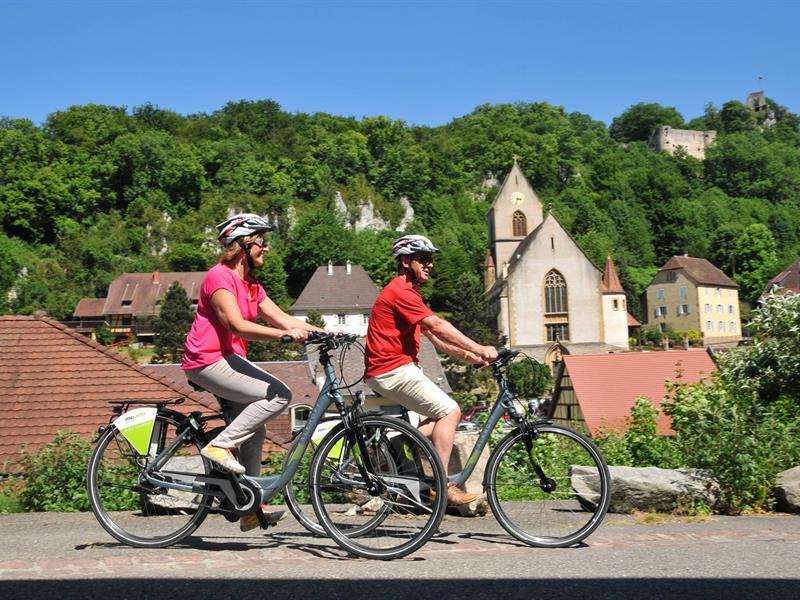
<point>786,282</point>
<point>692,294</point>
<point>53,378</point>
<point>541,288</point>
<point>133,300</point>
<point>343,295</point>
<point>595,393</point>
<point>295,374</point>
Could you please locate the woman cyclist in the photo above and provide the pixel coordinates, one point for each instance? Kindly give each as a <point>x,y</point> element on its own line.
<point>230,302</point>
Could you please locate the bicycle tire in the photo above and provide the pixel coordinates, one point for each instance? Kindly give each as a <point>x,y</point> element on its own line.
<point>303,513</point>
<point>135,512</point>
<point>397,519</point>
<point>521,499</point>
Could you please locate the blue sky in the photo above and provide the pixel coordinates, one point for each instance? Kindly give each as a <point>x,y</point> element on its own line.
<point>423,62</point>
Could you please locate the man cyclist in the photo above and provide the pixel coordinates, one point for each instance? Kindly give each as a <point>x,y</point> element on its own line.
<point>393,335</point>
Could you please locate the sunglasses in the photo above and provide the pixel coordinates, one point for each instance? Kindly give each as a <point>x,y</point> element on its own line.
<point>261,243</point>
<point>424,260</point>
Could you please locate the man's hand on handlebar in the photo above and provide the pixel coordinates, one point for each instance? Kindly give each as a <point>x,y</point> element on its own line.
<point>488,353</point>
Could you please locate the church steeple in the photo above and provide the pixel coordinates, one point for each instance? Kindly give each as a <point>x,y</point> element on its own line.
<point>610,282</point>
<point>515,212</point>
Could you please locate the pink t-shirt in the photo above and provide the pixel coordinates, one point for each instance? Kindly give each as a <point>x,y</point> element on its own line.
<point>209,340</point>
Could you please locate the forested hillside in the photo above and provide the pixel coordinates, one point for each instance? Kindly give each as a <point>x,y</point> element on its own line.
<point>98,190</point>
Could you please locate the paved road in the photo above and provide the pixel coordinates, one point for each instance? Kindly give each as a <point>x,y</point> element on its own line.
<point>69,556</point>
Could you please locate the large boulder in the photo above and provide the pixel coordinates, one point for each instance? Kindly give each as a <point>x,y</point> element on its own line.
<point>462,447</point>
<point>647,488</point>
<point>787,490</point>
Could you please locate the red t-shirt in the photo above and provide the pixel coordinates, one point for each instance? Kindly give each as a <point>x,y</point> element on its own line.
<point>209,340</point>
<point>393,332</point>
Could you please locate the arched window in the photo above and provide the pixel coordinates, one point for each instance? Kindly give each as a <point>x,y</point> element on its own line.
<point>555,293</point>
<point>519,224</point>
<point>556,308</point>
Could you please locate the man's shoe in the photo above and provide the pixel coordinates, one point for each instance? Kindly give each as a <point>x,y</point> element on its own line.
<point>455,497</point>
<point>222,457</point>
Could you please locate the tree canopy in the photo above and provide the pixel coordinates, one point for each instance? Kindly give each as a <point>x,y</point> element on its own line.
<point>99,190</point>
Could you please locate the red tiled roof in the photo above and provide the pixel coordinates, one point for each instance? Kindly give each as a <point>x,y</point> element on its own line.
<point>608,385</point>
<point>632,322</point>
<point>137,293</point>
<point>787,281</point>
<point>699,270</point>
<point>90,307</point>
<point>54,379</point>
<point>338,290</point>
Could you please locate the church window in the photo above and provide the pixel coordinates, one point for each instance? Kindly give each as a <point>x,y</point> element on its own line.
<point>557,331</point>
<point>555,293</point>
<point>519,224</point>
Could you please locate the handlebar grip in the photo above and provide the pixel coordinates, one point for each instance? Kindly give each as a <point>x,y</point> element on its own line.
<point>286,339</point>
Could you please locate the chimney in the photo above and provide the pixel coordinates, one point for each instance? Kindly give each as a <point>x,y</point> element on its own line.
<point>156,276</point>
<point>348,268</point>
<point>330,268</point>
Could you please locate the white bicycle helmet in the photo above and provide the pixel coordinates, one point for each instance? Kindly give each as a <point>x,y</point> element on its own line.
<point>242,225</point>
<point>412,244</point>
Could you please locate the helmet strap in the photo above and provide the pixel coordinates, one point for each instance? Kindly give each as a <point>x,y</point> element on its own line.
<point>246,248</point>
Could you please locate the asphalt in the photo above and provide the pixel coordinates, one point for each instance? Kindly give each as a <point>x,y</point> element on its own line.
<point>68,555</point>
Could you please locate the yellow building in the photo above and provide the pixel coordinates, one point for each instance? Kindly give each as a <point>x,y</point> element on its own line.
<point>692,294</point>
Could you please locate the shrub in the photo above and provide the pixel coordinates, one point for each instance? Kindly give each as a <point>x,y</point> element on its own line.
<point>56,475</point>
<point>742,442</point>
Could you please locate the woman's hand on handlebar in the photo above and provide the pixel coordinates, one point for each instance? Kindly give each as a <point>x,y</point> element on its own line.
<point>297,335</point>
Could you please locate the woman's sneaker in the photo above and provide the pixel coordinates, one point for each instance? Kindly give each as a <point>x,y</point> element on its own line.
<point>222,457</point>
<point>249,522</point>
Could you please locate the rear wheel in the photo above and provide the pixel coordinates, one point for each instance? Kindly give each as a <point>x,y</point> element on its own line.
<point>551,490</point>
<point>406,502</point>
<point>134,511</point>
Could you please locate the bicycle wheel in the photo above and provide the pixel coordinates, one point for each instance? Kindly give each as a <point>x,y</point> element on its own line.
<point>406,504</point>
<point>298,496</point>
<point>554,496</point>
<point>134,511</point>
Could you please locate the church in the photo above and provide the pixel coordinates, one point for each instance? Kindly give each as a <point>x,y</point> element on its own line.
<point>542,290</point>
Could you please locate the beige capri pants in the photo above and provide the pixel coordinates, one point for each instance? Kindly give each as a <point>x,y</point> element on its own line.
<point>409,387</point>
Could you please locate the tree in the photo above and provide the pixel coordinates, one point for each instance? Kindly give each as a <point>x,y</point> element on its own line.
<point>638,122</point>
<point>317,238</point>
<point>315,318</point>
<point>172,325</point>
<point>736,117</point>
<point>755,260</point>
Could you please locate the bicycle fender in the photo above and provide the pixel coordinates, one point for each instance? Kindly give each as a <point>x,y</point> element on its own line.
<point>137,427</point>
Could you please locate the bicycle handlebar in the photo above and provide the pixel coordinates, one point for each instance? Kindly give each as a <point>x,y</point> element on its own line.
<point>504,356</point>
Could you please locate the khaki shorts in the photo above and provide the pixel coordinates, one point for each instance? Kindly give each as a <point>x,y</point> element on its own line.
<point>408,386</point>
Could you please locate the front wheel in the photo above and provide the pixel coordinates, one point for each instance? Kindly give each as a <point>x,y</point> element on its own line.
<point>139,513</point>
<point>549,490</point>
<point>401,503</point>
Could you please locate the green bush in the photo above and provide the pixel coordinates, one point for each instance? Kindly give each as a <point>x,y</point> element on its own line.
<point>640,445</point>
<point>10,500</point>
<point>56,475</point>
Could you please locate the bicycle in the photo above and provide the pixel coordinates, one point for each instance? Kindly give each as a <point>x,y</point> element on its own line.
<point>547,485</point>
<point>149,487</point>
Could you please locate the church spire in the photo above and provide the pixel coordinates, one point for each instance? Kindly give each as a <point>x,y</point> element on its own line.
<point>611,283</point>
